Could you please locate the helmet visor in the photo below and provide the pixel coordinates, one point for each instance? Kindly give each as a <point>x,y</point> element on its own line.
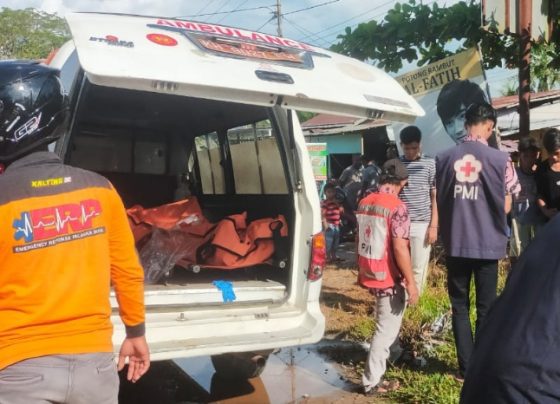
<point>15,98</point>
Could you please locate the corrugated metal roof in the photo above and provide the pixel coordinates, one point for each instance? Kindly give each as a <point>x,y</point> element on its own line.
<point>328,120</point>
<point>324,124</point>
<point>542,116</point>
<point>512,101</point>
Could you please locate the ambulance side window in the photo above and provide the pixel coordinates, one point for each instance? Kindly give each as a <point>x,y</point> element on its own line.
<point>257,165</point>
<point>209,164</point>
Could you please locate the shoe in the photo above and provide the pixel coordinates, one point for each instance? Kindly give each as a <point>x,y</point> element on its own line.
<point>370,392</point>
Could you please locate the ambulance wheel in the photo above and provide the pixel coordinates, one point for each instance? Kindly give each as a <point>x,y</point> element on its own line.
<point>242,365</point>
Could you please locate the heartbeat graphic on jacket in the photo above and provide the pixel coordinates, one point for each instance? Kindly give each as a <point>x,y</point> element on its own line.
<point>24,227</point>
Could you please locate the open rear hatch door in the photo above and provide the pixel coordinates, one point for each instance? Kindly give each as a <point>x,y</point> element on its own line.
<point>210,61</point>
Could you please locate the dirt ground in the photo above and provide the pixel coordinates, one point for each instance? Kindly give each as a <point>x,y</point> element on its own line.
<point>342,299</point>
<point>344,303</point>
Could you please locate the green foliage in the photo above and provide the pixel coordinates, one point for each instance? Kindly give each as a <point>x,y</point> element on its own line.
<point>510,88</point>
<point>546,75</point>
<point>304,115</point>
<point>30,33</point>
<point>430,386</point>
<point>362,330</point>
<point>433,383</point>
<point>425,33</point>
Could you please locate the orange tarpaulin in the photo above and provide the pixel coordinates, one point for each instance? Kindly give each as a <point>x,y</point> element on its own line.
<point>179,234</point>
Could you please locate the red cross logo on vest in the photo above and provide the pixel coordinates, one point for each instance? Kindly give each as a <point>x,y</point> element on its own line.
<point>367,232</point>
<point>467,169</point>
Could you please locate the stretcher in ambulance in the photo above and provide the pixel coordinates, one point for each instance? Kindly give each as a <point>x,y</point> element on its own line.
<point>172,110</point>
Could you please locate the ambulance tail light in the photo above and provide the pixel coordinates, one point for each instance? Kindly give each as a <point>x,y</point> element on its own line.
<point>318,257</point>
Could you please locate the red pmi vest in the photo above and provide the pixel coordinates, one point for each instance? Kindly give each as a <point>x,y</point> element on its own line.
<point>376,261</point>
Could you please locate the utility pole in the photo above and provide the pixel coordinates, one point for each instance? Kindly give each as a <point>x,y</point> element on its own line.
<point>524,29</point>
<point>279,17</point>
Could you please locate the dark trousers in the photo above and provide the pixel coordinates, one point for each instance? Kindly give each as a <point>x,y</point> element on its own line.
<point>460,271</point>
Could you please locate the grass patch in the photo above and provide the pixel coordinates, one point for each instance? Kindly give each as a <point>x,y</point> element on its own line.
<point>434,382</point>
<point>350,312</point>
<point>362,330</point>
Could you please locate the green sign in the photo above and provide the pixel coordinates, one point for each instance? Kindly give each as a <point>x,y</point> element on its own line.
<point>318,155</point>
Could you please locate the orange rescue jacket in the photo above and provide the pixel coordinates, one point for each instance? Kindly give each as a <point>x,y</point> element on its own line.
<point>65,239</point>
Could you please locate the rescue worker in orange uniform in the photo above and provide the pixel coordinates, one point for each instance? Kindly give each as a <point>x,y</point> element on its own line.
<point>65,240</point>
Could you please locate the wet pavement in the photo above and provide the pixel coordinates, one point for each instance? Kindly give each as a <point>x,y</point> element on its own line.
<point>292,375</point>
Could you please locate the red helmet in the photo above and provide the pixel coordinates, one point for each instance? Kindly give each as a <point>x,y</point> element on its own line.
<point>32,107</point>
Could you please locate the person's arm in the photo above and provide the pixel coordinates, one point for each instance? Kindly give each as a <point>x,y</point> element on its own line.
<point>432,233</point>
<point>540,179</point>
<point>548,212</point>
<point>127,277</point>
<point>512,185</point>
<point>324,217</point>
<point>344,177</point>
<point>400,233</point>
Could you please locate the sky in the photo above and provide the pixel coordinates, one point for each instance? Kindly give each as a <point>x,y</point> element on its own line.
<point>317,22</point>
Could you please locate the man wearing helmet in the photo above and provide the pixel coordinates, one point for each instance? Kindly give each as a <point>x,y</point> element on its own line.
<point>66,241</point>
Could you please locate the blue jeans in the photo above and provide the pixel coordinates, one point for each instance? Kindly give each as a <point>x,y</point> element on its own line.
<point>332,238</point>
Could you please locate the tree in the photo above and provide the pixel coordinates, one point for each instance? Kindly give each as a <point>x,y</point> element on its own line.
<point>544,66</point>
<point>30,33</point>
<point>426,33</point>
<point>305,115</point>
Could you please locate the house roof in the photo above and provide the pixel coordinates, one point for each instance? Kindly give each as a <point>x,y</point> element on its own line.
<point>320,120</point>
<point>325,124</point>
<point>546,115</point>
<point>512,101</point>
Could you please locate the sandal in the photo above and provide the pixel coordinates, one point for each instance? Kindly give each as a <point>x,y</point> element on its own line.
<point>383,387</point>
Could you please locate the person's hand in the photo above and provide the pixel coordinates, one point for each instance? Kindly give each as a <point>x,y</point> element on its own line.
<point>412,292</point>
<point>431,235</point>
<point>138,354</point>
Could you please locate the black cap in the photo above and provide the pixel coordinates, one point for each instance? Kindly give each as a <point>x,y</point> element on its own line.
<point>396,168</point>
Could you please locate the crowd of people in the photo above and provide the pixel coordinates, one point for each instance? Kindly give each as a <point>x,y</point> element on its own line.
<point>470,196</point>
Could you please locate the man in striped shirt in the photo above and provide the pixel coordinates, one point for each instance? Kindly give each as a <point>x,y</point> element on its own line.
<point>419,194</point>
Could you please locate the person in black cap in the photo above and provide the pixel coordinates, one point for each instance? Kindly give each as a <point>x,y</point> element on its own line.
<point>385,267</point>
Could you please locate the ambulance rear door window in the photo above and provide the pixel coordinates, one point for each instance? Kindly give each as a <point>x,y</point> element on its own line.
<point>257,165</point>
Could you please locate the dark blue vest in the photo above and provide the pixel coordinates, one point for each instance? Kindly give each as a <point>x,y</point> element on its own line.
<point>470,182</point>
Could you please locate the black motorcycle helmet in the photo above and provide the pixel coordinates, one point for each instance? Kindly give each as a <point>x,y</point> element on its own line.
<point>32,108</point>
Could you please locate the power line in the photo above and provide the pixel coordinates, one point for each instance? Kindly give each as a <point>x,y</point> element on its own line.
<point>220,8</point>
<point>350,19</point>
<point>239,5</point>
<point>204,7</point>
<point>370,19</point>
<point>279,15</point>
<point>300,28</point>
<point>259,28</point>
<point>309,8</point>
<point>226,12</point>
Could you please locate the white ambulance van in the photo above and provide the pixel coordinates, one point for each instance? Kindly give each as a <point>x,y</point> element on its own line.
<point>165,108</point>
